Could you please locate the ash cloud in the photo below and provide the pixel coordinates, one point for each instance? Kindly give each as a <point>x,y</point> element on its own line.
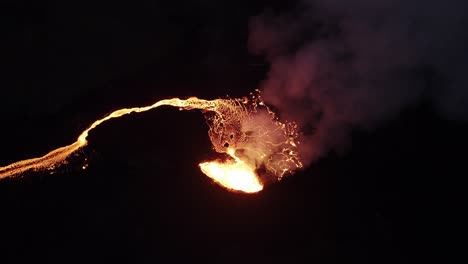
<point>342,65</point>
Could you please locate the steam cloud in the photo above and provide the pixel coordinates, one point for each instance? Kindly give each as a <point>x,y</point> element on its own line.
<point>339,65</point>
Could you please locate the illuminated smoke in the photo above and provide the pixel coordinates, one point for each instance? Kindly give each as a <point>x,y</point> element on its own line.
<point>342,65</point>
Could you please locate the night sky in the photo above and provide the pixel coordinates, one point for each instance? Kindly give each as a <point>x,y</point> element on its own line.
<point>383,197</point>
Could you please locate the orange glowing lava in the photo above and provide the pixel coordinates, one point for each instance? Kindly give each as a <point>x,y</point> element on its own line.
<point>246,129</point>
<point>233,174</point>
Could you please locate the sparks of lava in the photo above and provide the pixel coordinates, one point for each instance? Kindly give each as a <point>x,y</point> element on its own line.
<point>245,129</point>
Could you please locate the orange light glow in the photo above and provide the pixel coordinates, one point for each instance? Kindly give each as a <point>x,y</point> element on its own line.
<point>243,128</point>
<point>233,174</point>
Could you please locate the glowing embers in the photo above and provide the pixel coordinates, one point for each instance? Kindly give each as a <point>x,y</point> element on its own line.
<point>233,174</point>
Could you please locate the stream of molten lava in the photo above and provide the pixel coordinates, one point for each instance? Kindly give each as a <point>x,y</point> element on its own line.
<point>233,174</point>
<point>229,131</point>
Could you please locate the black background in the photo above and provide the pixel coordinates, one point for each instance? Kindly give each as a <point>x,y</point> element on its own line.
<point>142,198</point>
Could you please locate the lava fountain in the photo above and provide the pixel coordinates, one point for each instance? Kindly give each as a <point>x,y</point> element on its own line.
<point>245,129</point>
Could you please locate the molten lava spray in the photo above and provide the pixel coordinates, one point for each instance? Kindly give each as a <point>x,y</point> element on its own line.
<point>245,129</point>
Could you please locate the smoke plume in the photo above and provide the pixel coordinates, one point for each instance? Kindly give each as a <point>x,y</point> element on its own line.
<point>342,65</point>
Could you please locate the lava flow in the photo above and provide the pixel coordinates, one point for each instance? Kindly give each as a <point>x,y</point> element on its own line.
<point>233,174</point>
<point>245,129</point>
